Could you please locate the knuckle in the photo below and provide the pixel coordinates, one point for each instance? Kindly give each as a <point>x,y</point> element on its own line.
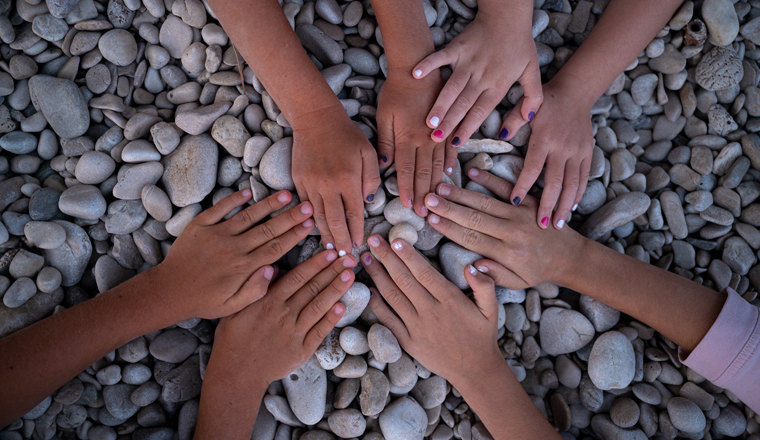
<point>486,203</point>
<point>297,277</point>
<point>267,231</point>
<point>470,237</point>
<point>426,275</point>
<point>276,247</point>
<point>404,281</point>
<point>246,217</point>
<point>478,113</point>
<point>353,215</point>
<point>393,297</point>
<point>317,305</point>
<point>405,169</point>
<point>321,332</point>
<point>463,102</point>
<point>475,219</point>
<point>424,173</point>
<point>453,86</point>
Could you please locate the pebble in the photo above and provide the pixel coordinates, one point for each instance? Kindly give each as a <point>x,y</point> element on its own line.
<point>356,300</point>
<point>94,167</point>
<point>347,423</point>
<point>403,419</point>
<point>383,344</point>
<point>83,201</point>
<point>554,331</point>
<point>685,415</point>
<point>118,46</point>
<point>175,345</point>
<point>306,389</point>
<point>720,69</point>
<point>612,363</point>
<point>616,213</point>
<point>19,292</point>
<point>194,160</point>
<point>62,104</point>
<point>72,256</point>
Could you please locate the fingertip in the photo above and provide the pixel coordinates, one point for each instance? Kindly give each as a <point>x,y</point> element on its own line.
<point>373,240</point>
<point>474,172</point>
<point>346,275</point>
<point>284,196</point>
<point>544,222</point>
<point>398,245</point>
<point>560,223</point>
<point>366,258</point>
<point>307,208</point>
<point>268,272</point>
<point>349,262</point>
<point>246,193</point>
<point>434,219</point>
<point>418,73</point>
<point>308,224</point>
<point>331,256</point>
<point>338,308</point>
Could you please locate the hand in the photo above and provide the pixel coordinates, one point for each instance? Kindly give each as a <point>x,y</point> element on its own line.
<point>436,323</point>
<point>335,168</point>
<point>484,70</point>
<point>504,233</point>
<point>277,334</point>
<point>562,138</point>
<point>216,268</point>
<point>402,106</point>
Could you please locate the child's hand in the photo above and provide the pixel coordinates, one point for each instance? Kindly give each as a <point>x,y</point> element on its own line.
<point>433,320</point>
<point>335,168</point>
<point>216,267</point>
<point>490,55</point>
<point>277,334</point>
<point>502,232</point>
<point>563,139</point>
<point>402,106</point>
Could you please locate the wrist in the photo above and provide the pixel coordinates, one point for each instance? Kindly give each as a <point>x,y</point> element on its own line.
<point>566,267</point>
<point>520,13</point>
<point>478,377</point>
<point>569,87</point>
<point>319,118</point>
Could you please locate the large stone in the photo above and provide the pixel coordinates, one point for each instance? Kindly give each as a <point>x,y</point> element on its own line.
<point>306,390</point>
<point>618,212</point>
<point>564,331</point>
<point>275,166</point>
<point>190,171</point>
<point>612,363</point>
<point>403,419</point>
<point>62,104</point>
<point>72,256</point>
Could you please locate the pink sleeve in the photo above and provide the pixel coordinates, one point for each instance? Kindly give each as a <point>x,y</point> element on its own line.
<point>729,354</point>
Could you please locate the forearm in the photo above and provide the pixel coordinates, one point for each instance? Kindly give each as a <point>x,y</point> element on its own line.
<point>265,39</point>
<point>39,359</point>
<point>406,37</point>
<point>624,30</point>
<point>681,310</point>
<point>501,403</point>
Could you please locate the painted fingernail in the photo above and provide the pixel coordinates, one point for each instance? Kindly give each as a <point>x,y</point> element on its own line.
<point>449,170</point>
<point>329,246</point>
<point>482,269</point>
<point>345,276</point>
<point>433,219</point>
<point>516,201</point>
<point>545,221</point>
<point>418,73</point>
<point>355,245</point>
<point>367,259</point>
<point>432,201</point>
<point>530,115</point>
<point>471,269</point>
<point>246,193</point>
<point>383,158</point>
<point>575,207</point>
<point>443,190</point>
<point>283,196</point>
<point>332,256</point>
<point>370,197</point>
<point>306,208</point>
<point>309,223</point>
<point>474,172</point>
<point>268,272</point>
<point>341,253</point>
<point>438,134</point>
<point>409,202</point>
<point>434,121</point>
<point>373,241</point>
<point>349,262</point>
<point>504,133</point>
<point>560,224</point>
<point>398,245</point>
<point>455,141</point>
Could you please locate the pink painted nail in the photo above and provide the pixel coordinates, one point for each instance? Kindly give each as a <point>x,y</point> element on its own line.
<point>545,221</point>
<point>367,259</point>
<point>438,134</point>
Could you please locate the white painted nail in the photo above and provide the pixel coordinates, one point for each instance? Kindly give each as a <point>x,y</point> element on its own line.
<point>341,253</point>
<point>449,170</point>
<point>329,246</point>
<point>398,245</point>
<point>434,121</point>
<point>472,269</point>
<point>575,207</point>
<point>560,224</point>
<point>482,269</point>
<point>418,73</point>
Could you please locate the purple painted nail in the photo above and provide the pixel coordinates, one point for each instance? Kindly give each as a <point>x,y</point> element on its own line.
<point>455,141</point>
<point>530,115</point>
<point>516,201</point>
<point>370,197</point>
<point>504,133</point>
<point>383,158</point>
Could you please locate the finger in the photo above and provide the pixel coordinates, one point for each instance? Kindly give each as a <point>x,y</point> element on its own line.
<point>388,289</point>
<point>321,304</point>
<point>354,216</point>
<point>336,221</point>
<point>569,192</point>
<point>277,226</point>
<point>450,92</point>
<point>405,161</point>
<point>458,110</point>
<point>555,176</point>
<point>471,199</point>
<point>482,243</point>
<point>475,219</point>
<point>273,250</point>
<point>315,284</point>
<point>433,61</point>
<point>484,293</point>
<point>370,174</point>
<point>533,91</point>
<point>387,317</point>
<point>475,116</point>
<point>495,184</point>
<point>319,332</point>
<point>451,153</point>
<point>534,163</point>
<point>513,122</point>
<point>321,220</point>
<point>217,212</point>
<point>501,275</point>
<point>385,141</point>
<point>303,274</point>
<point>245,219</point>
<point>423,174</point>
<point>585,170</point>
<point>423,272</point>
<point>253,289</point>
<point>438,160</point>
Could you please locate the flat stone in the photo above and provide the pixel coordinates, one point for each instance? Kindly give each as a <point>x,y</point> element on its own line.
<point>62,104</point>
<point>564,331</point>
<point>195,160</point>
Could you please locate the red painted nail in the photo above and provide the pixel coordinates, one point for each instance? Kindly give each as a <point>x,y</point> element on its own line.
<point>438,134</point>
<point>545,221</point>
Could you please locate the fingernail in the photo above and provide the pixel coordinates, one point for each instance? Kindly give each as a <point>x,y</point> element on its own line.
<point>434,121</point>
<point>432,201</point>
<point>341,253</point>
<point>474,172</point>
<point>306,208</point>
<point>418,73</point>
<point>438,134</point>
<point>309,223</point>
<point>332,256</point>
<point>370,197</point>
<point>455,141</point>
<point>423,211</point>
<point>575,207</point>
<point>545,221</point>
<point>530,115</point>
<point>384,158</point>
<point>349,262</point>
<point>283,196</point>
<point>434,219</point>
<point>449,170</point>
<point>373,241</point>
<point>338,308</point>
<point>345,276</point>
<point>367,259</point>
<point>443,190</point>
<point>504,133</point>
<point>355,245</point>
<point>516,201</point>
<point>329,246</point>
<point>560,224</point>
<point>246,193</point>
<point>268,272</point>
<point>409,202</point>
<point>398,245</point>
<point>482,269</point>
<point>472,269</point>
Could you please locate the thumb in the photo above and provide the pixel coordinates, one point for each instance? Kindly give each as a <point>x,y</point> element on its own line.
<point>533,92</point>
<point>254,288</point>
<point>484,292</point>
<point>513,122</point>
<point>370,174</point>
<point>501,275</point>
<point>385,141</point>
